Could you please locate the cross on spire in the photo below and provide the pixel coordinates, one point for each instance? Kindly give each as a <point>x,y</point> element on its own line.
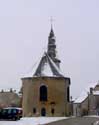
<point>51,20</point>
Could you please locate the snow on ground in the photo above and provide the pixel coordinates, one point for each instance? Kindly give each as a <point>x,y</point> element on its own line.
<point>32,121</point>
<point>96,123</point>
<point>95,116</point>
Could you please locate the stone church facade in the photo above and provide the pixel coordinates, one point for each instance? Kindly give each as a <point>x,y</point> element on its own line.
<point>46,91</point>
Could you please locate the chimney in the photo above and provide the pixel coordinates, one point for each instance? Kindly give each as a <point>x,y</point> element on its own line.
<point>91,90</point>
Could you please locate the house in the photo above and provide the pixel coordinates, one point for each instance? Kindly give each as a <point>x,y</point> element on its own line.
<point>9,98</point>
<point>88,102</point>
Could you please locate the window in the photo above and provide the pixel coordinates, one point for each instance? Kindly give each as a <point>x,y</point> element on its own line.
<point>43,93</point>
<point>52,111</point>
<point>14,110</point>
<point>9,111</point>
<point>34,110</point>
<point>68,94</point>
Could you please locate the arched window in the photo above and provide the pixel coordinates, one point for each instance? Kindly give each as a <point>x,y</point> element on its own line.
<point>43,93</point>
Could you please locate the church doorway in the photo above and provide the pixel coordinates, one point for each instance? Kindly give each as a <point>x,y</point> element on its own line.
<point>43,112</point>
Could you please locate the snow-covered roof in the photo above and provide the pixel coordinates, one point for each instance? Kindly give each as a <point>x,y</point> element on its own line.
<point>45,67</point>
<point>31,72</point>
<point>82,97</point>
<point>84,94</point>
<point>95,92</point>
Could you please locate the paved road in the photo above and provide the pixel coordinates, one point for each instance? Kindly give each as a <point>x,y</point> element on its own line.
<point>76,121</point>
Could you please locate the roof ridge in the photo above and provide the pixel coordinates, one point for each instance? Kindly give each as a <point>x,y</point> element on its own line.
<point>54,65</point>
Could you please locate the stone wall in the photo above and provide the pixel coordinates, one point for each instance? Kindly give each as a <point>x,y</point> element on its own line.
<point>57,96</point>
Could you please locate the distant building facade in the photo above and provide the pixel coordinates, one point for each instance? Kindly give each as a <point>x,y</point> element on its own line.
<point>88,102</point>
<point>46,91</point>
<point>9,98</point>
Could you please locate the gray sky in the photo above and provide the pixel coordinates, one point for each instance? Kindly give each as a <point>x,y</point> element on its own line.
<point>24,29</point>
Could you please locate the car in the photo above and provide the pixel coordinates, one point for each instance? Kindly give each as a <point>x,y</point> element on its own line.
<point>0,113</point>
<point>11,113</point>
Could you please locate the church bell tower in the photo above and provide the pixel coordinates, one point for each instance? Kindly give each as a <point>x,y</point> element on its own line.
<point>52,48</point>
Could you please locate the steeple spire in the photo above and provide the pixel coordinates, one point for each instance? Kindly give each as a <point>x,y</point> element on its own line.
<point>52,46</point>
<point>51,32</point>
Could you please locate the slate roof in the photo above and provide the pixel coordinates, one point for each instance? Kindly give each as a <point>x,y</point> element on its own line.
<point>45,67</point>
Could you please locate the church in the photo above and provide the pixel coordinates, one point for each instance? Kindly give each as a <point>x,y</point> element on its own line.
<point>46,91</point>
